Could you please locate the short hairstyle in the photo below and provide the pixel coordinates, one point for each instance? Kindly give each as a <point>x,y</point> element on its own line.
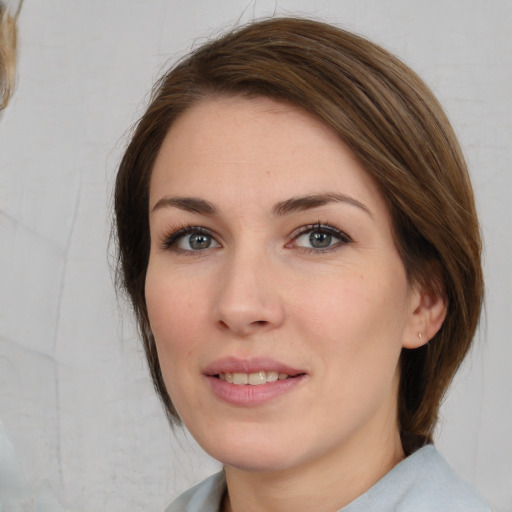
<point>8,40</point>
<point>395,127</point>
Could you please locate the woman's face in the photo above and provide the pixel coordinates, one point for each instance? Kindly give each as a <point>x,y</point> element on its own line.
<point>277,298</point>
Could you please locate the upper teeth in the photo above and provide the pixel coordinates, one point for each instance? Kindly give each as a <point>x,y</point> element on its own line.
<point>253,379</point>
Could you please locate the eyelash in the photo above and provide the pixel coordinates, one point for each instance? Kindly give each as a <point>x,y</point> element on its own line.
<point>170,239</point>
<point>321,228</point>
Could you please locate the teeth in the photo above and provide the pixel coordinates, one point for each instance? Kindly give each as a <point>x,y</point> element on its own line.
<point>253,379</point>
<point>240,378</point>
<point>272,376</point>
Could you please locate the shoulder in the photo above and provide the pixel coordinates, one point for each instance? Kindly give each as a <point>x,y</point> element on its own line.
<point>439,487</point>
<point>423,482</point>
<point>204,497</point>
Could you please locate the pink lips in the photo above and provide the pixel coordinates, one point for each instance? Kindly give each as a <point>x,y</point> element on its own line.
<point>247,395</point>
<point>255,364</point>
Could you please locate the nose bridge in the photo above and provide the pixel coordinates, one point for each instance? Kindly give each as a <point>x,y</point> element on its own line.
<point>248,298</point>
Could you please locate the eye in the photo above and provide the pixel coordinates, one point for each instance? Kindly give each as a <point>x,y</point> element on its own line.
<point>191,239</point>
<point>320,237</point>
<point>195,242</point>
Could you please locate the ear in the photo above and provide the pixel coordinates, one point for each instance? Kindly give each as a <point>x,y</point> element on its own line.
<point>428,309</point>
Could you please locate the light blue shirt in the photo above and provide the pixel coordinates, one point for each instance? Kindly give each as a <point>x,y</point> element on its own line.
<point>423,482</point>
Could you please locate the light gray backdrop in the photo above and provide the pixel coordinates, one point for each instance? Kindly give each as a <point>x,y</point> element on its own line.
<point>75,398</point>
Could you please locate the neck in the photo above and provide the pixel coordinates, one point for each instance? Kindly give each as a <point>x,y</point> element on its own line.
<point>328,483</point>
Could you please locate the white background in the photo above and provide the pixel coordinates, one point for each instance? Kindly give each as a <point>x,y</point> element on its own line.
<point>75,396</point>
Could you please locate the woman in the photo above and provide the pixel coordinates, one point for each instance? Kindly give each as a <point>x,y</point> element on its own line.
<point>298,237</point>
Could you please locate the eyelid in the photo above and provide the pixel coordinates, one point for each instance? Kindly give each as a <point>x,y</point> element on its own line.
<point>319,226</point>
<point>170,238</point>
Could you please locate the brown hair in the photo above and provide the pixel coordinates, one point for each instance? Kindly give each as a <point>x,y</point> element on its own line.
<point>8,41</point>
<point>399,132</point>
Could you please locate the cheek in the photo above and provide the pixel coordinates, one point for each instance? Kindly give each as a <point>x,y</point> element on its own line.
<point>360,319</point>
<point>357,333</point>
<point>174,308</point>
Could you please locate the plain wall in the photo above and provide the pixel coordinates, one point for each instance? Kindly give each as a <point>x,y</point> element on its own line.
<point>75,395</point>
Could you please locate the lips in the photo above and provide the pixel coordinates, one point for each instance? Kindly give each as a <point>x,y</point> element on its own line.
<point>252,379</point>
<point>253,366</point>
<point>251,382</point>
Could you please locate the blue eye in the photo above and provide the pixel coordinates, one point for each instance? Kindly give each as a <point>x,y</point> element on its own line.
<point>320,237</point>
<point>190,239</point>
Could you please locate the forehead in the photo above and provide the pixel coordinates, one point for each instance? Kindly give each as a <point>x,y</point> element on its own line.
<point>255,149</point>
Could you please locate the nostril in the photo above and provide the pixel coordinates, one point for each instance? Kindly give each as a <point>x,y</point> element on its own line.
<point>223,324</point>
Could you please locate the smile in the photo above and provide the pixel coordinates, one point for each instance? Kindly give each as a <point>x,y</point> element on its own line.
<point>252,382</point>
<point>252,379</point>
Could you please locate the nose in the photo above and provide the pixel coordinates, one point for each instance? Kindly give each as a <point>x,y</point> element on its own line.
<point>248,300</point>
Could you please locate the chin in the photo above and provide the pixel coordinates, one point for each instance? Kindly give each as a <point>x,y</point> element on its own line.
<point>255,460</point>
<point>256,452</point>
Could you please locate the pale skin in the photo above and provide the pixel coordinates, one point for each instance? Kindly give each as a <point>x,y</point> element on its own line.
<point>285,252</point>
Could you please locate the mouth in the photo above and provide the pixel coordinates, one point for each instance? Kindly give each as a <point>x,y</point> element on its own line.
<point>252,382</point>
<point>253,379</point>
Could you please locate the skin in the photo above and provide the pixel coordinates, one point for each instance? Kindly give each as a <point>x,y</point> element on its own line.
<point>341,314</point>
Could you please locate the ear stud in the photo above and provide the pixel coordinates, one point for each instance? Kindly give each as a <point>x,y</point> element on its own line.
<point>420,335</point>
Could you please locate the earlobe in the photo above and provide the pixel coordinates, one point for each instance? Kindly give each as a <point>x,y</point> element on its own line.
<point>428,311</point>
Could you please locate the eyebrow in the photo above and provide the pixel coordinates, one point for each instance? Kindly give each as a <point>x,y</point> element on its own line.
<point>188,204</point>
<point>302,203</point>
<point>281,209</point>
